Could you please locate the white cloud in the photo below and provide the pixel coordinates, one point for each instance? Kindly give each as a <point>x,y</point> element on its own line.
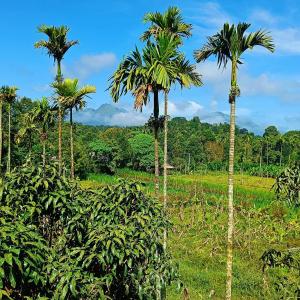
<point>263,84</point>
<point>260,15</point>
<point>42,88</point>
<point>130,118</point>
<point>287,40</point>
<point>88,65</point>
<point>183,108</point>
<point>212,14</point>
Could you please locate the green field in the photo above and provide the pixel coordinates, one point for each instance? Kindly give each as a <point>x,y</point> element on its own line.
<point>197,207</point>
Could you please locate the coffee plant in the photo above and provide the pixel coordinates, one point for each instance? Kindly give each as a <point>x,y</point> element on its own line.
<point>59,241</point>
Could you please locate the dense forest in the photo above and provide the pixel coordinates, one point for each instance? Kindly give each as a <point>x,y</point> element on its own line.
<point>193,146</point>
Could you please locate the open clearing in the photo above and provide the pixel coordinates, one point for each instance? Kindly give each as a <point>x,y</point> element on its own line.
<point>198,209</point>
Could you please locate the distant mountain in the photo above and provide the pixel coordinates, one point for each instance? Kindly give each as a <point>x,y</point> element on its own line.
<point>100,116</point>
<point>111,115</point>
<point>215,117</point>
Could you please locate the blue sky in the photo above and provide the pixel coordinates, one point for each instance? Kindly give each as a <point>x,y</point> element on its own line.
<point>108,30</point>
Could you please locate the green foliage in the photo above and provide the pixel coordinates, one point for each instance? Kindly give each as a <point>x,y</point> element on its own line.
<point>142,146</point>
<point>287,185</point>
<point>23,252</point>
<point>287,261</point>
<point>103,157</point>
<point>59,241</point>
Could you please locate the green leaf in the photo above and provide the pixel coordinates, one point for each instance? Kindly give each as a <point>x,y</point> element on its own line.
<point>8,258</point>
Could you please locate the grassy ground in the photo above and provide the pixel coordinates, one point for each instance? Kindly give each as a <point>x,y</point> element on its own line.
<point>198,208</point>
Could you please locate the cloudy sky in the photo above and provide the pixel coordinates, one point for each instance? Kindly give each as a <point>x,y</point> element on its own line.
<point>108,30</point>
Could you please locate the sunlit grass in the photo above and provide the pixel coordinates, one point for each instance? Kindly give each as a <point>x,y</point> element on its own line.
<point>197,206</point>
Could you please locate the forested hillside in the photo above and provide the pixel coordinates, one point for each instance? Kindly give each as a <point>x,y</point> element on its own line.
<point>193,146</point>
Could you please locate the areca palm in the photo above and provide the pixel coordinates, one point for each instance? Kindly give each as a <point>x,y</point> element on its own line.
<point>228,45</point>
<point>43,115</point>
<point>71,96</point>
<point>151,71</point>
<point>170,22</point>
<point>57,45</point>
<point>8,96</point>
<point>2,101</point>
<point>27,130</point>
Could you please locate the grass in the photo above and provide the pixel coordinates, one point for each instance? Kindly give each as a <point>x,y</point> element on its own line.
<point>197,206</point>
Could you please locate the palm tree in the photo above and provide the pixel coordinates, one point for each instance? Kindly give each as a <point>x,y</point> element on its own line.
<point>171,24</point>
<point>229,44</point>
<point>57,45</point>
<point>28,128</point>
<point>71,96</point>
<point>8,95</point>
<point>2,100</point>
<point>133,76</point>
<point>43,115</point>
<point>150,72</point>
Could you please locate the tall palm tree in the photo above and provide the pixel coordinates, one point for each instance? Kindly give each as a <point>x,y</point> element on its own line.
<point>71,96</point>
<point>8,96</point>
<point>132,75</point>
<point>150,72</point>
<point>27,130</point>
<point>229,44</point>
<point>43,115</point>
<point>171,23</point>
<point>2,100</point>
<point>57,45</point>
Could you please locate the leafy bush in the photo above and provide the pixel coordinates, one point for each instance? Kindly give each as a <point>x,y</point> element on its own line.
<point>287,282</point>
<point>103,157</point>
<point>287,185</point>
<point>59,241</point>
<point>142,155</point>
<point>265,171</point>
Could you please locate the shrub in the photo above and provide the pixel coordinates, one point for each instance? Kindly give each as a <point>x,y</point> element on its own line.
<point>103,157</point>
<point>59,241</point>
<point>142,156</point>
<point>286,283</point>
<point>287,185</point>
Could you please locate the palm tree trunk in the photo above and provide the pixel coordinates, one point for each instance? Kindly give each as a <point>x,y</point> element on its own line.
<point>59,79</point>
<point>156,153</point>
<point>280,160</point>
<point>44,152</point>
<point>71,144</point>
<point>9,138</point>
<point>230,181</point>
<point>1,135</point>
<point>165,162</point>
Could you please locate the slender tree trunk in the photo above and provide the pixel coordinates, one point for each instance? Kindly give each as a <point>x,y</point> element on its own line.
<point>230,181</point>
<point>165,163</point>
<point>267,159</point>
<point>71,144</point>
<point>1,136</point>
<point>9,139</point>
<point>30,147</point>
<point>59,79</point>
<point>156,153</point>
<point>44,152</point>
<point>280,161</point>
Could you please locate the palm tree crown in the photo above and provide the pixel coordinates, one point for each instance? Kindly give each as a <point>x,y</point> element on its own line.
<point>170,22</point>
<point>70,95</point>
<point>57,44</point>
<point>159,65</point>
<point>8,94</point>
<point>43,114</point>
<point>231,42</point>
